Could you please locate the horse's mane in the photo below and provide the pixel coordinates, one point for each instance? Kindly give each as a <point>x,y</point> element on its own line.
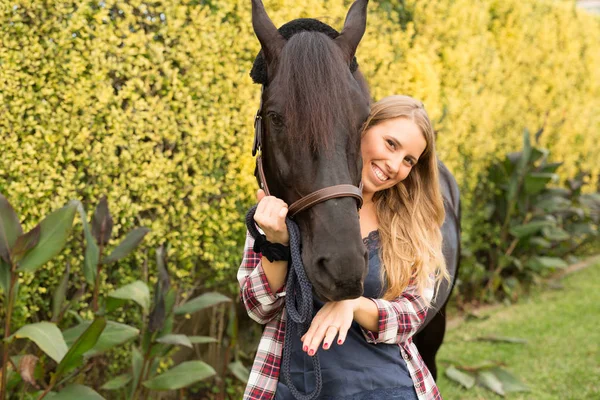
<point>316,83</point>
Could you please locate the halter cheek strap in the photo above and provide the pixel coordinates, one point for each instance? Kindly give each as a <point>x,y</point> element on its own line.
<point>319,196</point>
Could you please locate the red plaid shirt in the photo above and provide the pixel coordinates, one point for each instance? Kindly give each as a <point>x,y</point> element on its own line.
<point>398,321</point>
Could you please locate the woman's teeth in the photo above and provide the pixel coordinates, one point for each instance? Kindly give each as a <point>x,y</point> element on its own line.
<point>379,173</point>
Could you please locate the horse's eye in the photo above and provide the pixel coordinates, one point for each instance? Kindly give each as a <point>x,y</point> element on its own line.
<point>276,119</point>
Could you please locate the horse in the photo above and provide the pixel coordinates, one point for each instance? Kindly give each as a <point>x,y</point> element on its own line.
<point>313,104</point>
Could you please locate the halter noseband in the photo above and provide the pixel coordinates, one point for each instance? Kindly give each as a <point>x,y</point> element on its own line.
<point>316,197</point>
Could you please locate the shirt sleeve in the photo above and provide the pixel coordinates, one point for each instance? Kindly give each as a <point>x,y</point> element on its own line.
<point>400,318</point>
<point>261,304</point>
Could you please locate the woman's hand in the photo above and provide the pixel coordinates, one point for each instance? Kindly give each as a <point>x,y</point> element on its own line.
<point>270,217</point>
<point>333,319</point>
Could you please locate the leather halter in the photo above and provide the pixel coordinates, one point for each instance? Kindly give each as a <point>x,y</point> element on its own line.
<point>319,196</point>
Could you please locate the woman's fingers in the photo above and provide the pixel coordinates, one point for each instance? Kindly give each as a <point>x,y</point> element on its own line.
<point>343,332</point>
<point>330,335</point>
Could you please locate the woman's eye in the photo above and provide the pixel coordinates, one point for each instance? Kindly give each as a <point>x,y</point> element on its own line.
<point>391,143</point>
<point>410,162</point>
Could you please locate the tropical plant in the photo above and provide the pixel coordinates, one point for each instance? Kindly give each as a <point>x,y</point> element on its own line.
<point>531,226</point>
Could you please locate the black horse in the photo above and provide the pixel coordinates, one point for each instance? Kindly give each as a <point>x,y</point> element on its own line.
<point>314,102</point>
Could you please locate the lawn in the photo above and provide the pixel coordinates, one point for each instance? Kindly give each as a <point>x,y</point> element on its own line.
<point>561,359</point>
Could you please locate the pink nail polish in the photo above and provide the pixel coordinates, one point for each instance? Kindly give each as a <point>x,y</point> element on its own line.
<point>305,348</point>
<point>340,341</point>
<point>326,345</point>
<point>311,352</point>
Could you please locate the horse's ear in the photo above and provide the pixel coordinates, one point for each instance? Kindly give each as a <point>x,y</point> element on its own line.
<point>269,37</point>
<point>354,29</point>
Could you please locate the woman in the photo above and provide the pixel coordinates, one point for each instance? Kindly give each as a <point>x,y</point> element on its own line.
<point>373,356</point>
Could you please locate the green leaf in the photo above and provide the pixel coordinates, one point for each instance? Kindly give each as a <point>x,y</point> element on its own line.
<point>117,383</point>
<point>131,241</point>
<point>239,371</point>
<point>113,335</point>
<point>201,302</point>
<point>4,277</point>
<point>183,375</point>
<point>136,366</point>
<point>58,297</point>
<point>540,262</point>
<point>76,392</point>
<point>83,344</point>
<point>488,380</point>
<point>524,230</point>
<point>202,339</point>
<point>55,229</point>
<point>48,338</point>
<point>540,242</point>
<point>535,182</point>
<point>137,291</point>
<point>502,339</point>
<point>25,243</point>
<point>92,252</point>
<point>555,233</point>
<point>465,379</point>
<point>510,383</point>
<point>10,228</point>
<point>178,340</point>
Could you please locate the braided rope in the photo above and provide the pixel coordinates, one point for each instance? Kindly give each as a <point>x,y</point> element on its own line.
<point>298,306</point>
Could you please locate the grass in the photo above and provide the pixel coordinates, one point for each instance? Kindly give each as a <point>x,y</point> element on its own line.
<point>562,357</point>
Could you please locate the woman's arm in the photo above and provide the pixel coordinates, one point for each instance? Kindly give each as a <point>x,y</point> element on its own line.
<point>394,321</point>
<point>262,288</point>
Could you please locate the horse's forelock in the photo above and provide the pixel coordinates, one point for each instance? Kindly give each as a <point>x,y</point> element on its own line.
<point>316,86</point>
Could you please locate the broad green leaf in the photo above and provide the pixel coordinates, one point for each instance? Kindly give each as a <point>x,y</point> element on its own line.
<point>535,182</point>
<point>92,252</point>
<point>201,302</point>
<point>4,277</point>
<point>488,380</point>
<point>464,378</point>
<point>10,228</point>
<point>510,383</point>
<point>502,339</point>
<point>137,361</point>
<point>76,392</point>
<point>239,371</point>
<point>137,291</point>
<point>25,243</point>
<point>555,233</point>
<point>48,338</point>
<point>182,375</point>
<point>540,242</point>
<point>540,262</point>
<point>131,241</point>
<point>58,297</point>
<point>55,229</point>
<point>113,335</point>
<point>117,383</point>
<point>178,340</point>
<point>528,229</point>
<point>82,345</point>
<point>202,339</point>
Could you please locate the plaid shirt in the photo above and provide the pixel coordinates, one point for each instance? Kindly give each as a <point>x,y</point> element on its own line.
<point>398,321</point>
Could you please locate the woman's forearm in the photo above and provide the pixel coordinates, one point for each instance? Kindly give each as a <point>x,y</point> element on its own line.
<point>276,272</point>
<point>366,313</point>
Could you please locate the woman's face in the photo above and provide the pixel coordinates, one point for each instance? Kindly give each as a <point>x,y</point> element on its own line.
<point>389,151</point>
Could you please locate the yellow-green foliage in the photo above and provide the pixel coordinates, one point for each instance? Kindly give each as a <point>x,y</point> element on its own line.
<point>151,104</point>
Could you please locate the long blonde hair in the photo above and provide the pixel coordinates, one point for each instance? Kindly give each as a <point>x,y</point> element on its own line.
<point>410,213</point>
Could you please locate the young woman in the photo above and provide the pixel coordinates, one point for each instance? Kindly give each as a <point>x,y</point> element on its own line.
<point>365,344</point>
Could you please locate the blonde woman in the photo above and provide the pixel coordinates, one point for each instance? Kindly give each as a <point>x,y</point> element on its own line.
<point>365,344</point>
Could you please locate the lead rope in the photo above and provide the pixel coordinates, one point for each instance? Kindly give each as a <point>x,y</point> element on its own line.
<point>298,306</point>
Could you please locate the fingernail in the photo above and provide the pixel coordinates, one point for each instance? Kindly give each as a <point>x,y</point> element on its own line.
<point>305,348</point>
<point>326,345</point>
<point>311,352</point>
<point>340,341</point>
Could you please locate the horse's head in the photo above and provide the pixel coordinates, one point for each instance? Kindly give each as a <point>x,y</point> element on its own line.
<point>313,109</point>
